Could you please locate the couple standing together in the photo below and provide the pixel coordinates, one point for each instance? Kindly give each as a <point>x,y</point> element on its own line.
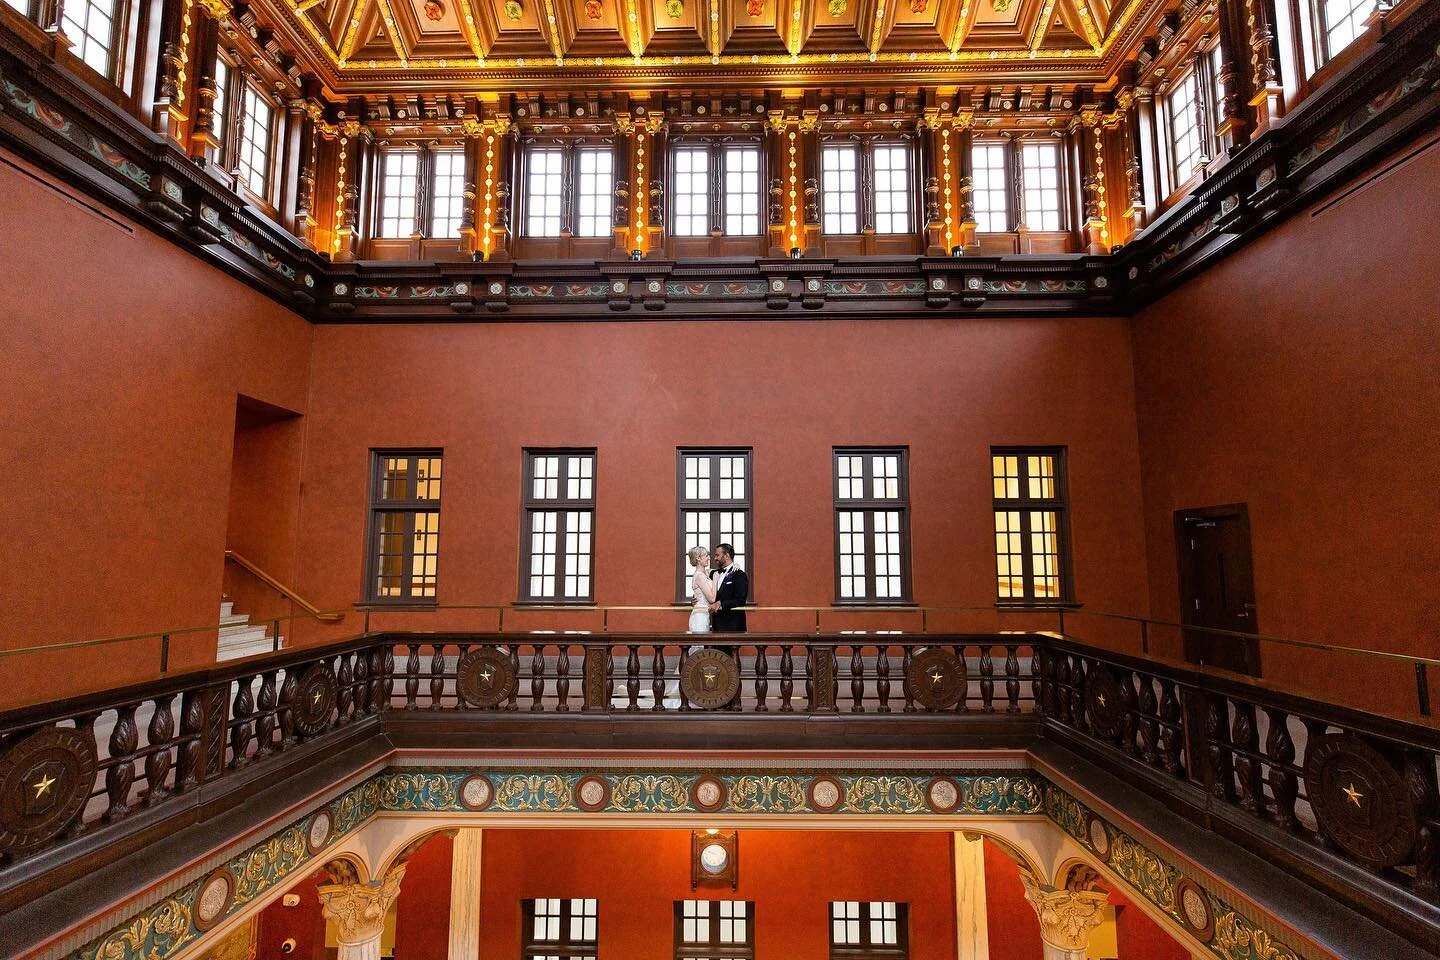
<point>718,592</point>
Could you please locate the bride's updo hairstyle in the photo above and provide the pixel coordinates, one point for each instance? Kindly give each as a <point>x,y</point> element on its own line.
<point>695,553</point>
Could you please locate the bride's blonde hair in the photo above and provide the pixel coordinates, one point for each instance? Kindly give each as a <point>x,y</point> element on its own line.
<point>695,553</point>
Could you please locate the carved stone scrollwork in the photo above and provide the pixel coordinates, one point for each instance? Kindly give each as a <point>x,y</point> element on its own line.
<point>936,678</point>
<point>358,911</point>
<point>44,782</point>
<point>709,679</point>
<point>483,678</point>
<point>1361,803</point>
<point>1066,916</point>
<point>315,700</point>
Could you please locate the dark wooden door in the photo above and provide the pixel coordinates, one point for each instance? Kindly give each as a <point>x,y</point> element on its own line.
<point>1217,586</point>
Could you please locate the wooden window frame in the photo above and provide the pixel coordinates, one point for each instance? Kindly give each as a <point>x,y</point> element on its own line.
<point>225,130</point>
<point>714,948</point>
<point>871,505</point>
<point>272,132</point>
<point>1024,505</point>
<point>123,26</point>
<point>1321,39</point>
<point>570,151</point>
<point>1016,209</point>
<point>425,192</point>
<point>561,505</point>
<point>865,145</point>
<point>718,150</point>
<point>866,950</point>
<point>565,948</point>
<point>379,506</point>
<point>713,506</point>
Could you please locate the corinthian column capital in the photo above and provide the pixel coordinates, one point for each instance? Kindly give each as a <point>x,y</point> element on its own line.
<point>1066,917</point>
<point>358,911</point>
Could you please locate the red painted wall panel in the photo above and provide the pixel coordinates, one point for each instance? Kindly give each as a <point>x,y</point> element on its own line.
<point>1014,928</point>
<point>304,923</point>
<point>422,914</point>
<point>1137,937</point>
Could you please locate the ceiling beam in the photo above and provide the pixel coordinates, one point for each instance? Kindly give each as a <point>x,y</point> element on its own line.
<point>1047,13</point>
<point>388,15</point>
<point>964,22</point>
<point>1087,21</point>
<point>550,28</point>
<point>466,16</point>
<point>351,36</point>
<point>304,5</point>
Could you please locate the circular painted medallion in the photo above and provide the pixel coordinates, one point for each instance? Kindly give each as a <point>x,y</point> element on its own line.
<point>592,793</point>
<point>709,679</point>
<point>44,782</point>
<point>943,795</point>
<point>1099,838</point>
<point>213,899</point>
<point>319,833</point>
<point>315,699</point>
<point>1107,705</point>
<point>484,677</point>
<point>936,678</point>
<point>1360,802</point>
<point>1194,908</point>
<point>708,793</point>
<point>826,794</point>
<point>476,793</point>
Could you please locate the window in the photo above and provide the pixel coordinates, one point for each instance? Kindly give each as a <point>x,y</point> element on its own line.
<point>542,192</point>
<point>991,191</point>
<point>559,526</point>
<point>692,192</point>
<point>714,930</point>
<point>714,498</point>
<point>865,929</point>
<point>872,529</point>
<point>1183,108</point>
<point>569,188</point>
<point>1341,22</point>
<point>22,5</point>
<point>253,161</point>
<point>715,187</point>
<point>559,930</point>
<point>1217,92</point>
<point>404,525</point>
<point>90,25</point>
<point>866,184</point>
<point>220,109</point>
<point>399,182</point>
<point>447,194</point>
<point>740,201</point>
<point>1031,540</point>
<point>1040,174</point>
<point>597,191</point>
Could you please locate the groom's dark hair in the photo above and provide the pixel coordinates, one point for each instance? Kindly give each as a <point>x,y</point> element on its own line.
<point>727,549</point>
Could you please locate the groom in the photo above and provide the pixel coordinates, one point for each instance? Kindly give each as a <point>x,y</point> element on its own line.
<point>732,588</point>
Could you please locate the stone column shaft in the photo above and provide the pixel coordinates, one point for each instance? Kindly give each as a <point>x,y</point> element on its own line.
<point>465,895</point>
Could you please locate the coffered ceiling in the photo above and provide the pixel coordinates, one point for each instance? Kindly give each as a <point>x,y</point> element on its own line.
<point>502,45</point>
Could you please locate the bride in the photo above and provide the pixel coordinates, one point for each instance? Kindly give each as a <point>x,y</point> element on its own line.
<point>702,590</point>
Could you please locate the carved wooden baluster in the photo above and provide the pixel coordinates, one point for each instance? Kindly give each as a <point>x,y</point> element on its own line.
<point>1012,678</point>
<point>265,722</point>
<point>762,678</point>
<point>632,679</point>
<point>514,653</point>
<point>241,710</point>
<point>657,678</point>
<point>360,684</point>
<point>1129,725</point>
<point>1220,770</point>
<point>1280,751</point>
<point>85,727</point>
<point>412,676</point>
<point>1419,776</point>
<point>1149,722</point>
<point>1245,736</point>
<point>1037,678</point>
<point>905,690</point>
<point>437,675</point>
<point>1172,733</point>
<point>382,677</point>
<point>987,680</point>
<point>857,680</point>
<point>346,696</point>
<point>1077,694</point>
<point>118,779</point>
<point>609,677</point>
<point>562,683</point>
<point>288,688</point>
<point>787,680</point>
<point>1062,689</point>
<point>882,678</point>
<point>158,738</point>
<point>537,679</point>
<point>187,754</point>
<point>963,706</point>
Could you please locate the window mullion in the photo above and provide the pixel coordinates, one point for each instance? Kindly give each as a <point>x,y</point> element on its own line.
<point>569,200</point>
<point>424,171</point>
<point>717,203</point>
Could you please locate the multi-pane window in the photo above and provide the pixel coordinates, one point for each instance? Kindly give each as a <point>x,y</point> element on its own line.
<point>447,194</point>
<point>740,200</point>
<point>543,191</point>
<point>90,25</point>
<point>559,929</point>
<point>399,185</point>
<point>865,184</point>
<point>865,929</point>
<point>20,5</point>
<point>220,109</point>
<point>256,132</point>
<point>1217,91</point>
<point>691,197</point>
<point>714,499</point>
<point>1182,108</point>
<point>714,930</point>
<point>1040,173</point>
<point>558,540</point>
<point>596,191</point>
<point>715,187</point>
<point>404,525</point>
<point>990,195</point>
<point>1341,22</point>
<point>1031,542</point>
<point>872,528</point>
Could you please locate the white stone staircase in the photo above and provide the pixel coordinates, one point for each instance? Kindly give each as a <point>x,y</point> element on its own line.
<point>239,637</point>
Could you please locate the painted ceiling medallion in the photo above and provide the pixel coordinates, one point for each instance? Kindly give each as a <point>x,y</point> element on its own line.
<point>755,7</point>
<point>514,11</point>
<point>594,9</point>
<point>1000,6</point>
<point>918,6</point>
<point>674,9</point>
<point>434,10</point>
<point>837,8</point>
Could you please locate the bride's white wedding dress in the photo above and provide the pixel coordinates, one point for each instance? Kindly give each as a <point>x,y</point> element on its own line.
<point>703,593</point>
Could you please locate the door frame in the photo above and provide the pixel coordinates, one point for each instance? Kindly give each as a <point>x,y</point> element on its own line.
<point>1228,511</point>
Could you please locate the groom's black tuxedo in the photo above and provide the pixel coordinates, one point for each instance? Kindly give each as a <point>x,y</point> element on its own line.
<point>732,593</point>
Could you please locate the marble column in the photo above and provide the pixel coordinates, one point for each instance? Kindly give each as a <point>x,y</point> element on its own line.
<point>358,911</point>
<point>971,913</point>
<point>1066,917</point>
<point>465,895</point>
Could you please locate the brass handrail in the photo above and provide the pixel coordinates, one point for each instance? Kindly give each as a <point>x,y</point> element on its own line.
<point>284,591</point>
<point>156,634</point>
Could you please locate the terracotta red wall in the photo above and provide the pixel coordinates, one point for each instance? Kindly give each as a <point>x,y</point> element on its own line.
<point>1302,376</point>
<point>949,388</point>
<point>791,876</point>
<point>123,358</point>
<point>304,923</point>
<point>422,914</point>
<point>1137,937</point>
<point>1013,927</point>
